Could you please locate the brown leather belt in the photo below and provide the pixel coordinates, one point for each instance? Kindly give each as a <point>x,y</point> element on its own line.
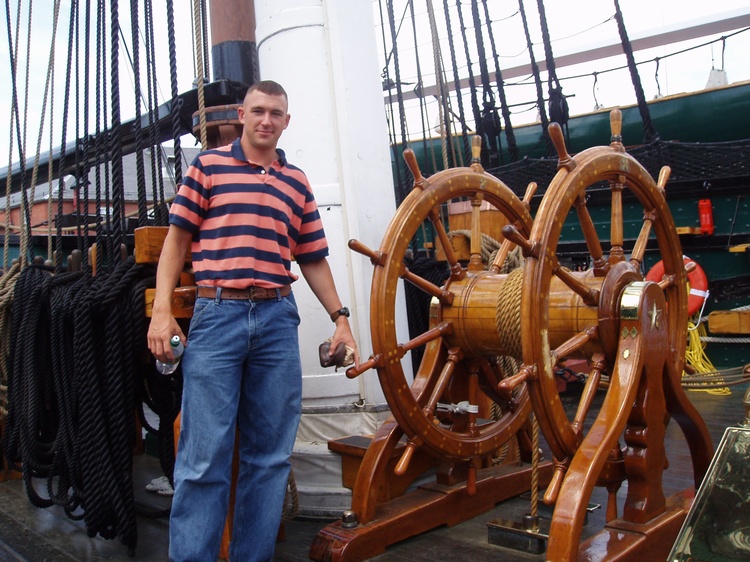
<point>249,294</point>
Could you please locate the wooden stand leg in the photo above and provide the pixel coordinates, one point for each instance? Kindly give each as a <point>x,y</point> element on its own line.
<point>426,508</point>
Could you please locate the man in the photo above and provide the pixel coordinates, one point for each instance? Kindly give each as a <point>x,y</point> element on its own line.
<point>246,211</point>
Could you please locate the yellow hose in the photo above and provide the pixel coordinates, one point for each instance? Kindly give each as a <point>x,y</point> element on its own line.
<point>695,356</point>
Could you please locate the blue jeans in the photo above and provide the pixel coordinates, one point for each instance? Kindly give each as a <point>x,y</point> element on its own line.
<point>242,370</point>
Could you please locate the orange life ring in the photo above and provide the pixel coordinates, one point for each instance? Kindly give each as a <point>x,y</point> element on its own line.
<point>697,283</point>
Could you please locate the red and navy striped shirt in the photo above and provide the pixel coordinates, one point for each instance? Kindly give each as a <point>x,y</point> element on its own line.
<point>247,223</point>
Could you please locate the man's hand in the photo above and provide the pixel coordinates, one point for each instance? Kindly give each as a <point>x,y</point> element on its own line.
<point>161,329</point>
<point>343,334</point>
<point>163,324</point>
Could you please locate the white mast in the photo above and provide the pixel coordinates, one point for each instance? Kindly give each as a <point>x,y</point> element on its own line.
<point>324,54</point>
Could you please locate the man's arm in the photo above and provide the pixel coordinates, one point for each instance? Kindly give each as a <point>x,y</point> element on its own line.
<point>318,275</point>
<point>171,262</point>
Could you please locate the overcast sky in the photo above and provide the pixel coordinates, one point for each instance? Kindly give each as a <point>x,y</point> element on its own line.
<point>573,24</point>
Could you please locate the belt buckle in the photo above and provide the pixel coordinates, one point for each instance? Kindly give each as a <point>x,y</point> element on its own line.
<point>252,293</point>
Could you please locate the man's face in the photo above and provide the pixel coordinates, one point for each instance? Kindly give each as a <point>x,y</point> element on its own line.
<point>264,118</point>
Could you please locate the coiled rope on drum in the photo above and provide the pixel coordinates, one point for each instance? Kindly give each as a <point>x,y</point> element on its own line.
<point>489,244</point>
<point>508,325</point>
<point>508,320</point>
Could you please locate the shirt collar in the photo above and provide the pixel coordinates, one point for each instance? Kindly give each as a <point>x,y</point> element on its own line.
<point>239,154</point>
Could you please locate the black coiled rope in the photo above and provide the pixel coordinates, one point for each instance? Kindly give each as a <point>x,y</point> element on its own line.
<point>78,373</point>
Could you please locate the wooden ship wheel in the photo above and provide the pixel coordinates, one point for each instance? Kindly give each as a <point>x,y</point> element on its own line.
<point>630,333</point>
<point>629,330</point>
<point>441,410</point>
<point>463,338</point>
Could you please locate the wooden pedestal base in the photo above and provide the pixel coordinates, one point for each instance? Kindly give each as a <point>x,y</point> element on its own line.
<point>425,508</point>
<point>622,540</point>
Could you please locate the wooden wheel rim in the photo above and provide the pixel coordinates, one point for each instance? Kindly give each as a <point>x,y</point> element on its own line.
<point>406,401</point>
<point>590,167</point>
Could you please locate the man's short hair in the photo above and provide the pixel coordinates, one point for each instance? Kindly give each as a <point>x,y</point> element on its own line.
<point>268,87</point>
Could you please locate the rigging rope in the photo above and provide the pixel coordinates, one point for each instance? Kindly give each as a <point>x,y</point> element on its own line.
<point>464,156</point>
<point>537,80</point>
<point>140,171</point>
<point>13,54</point>
<point>446,136</point>
<point>60,182</point>
<point>418,88</point>
<point>490,126</point>
<point>8,179</point>
<point>157,153</point>
<point>509,133</point>
<point>101,245</point>
<point>84,166</point>
<point>558,105</point>
<point>400,192</point>
<point>649,132</point>
<point>26,238</point>
<point>48,91</point>
<point>115,136</point>
<point>176,99</point>
<point>472,83</point>
<point>201,74</point>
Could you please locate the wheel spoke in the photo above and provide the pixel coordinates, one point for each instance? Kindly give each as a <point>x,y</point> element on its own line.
<point>616,253</point>
<point>589,390</point>
<point>575,343</point>
<point>475,261</point>
<point>442,329</point>
<point>457,271</point>
<point>506,386</point>
<point>590,296</point>
<point>445,297</point>
<point>507,245</point>
<point>502,254</point>
<point>669,278</point>
<point>454,356</point>
<point>591,237</point>
<point>639,249</point>
<point>473,397</point>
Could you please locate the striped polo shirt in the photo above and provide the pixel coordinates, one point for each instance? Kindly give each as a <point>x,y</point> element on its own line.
<point>247,223</point>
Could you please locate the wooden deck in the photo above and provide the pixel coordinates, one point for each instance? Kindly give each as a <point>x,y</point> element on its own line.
<point>29,534</point>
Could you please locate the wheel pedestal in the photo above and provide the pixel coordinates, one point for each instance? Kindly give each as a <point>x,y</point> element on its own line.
<point>428,507</point>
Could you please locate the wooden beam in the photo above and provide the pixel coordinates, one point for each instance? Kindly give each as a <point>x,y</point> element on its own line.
<point>729,322</point>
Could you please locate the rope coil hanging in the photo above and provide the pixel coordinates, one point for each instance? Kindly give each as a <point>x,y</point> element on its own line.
<point>70,414</point>
<point>73,370</point>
